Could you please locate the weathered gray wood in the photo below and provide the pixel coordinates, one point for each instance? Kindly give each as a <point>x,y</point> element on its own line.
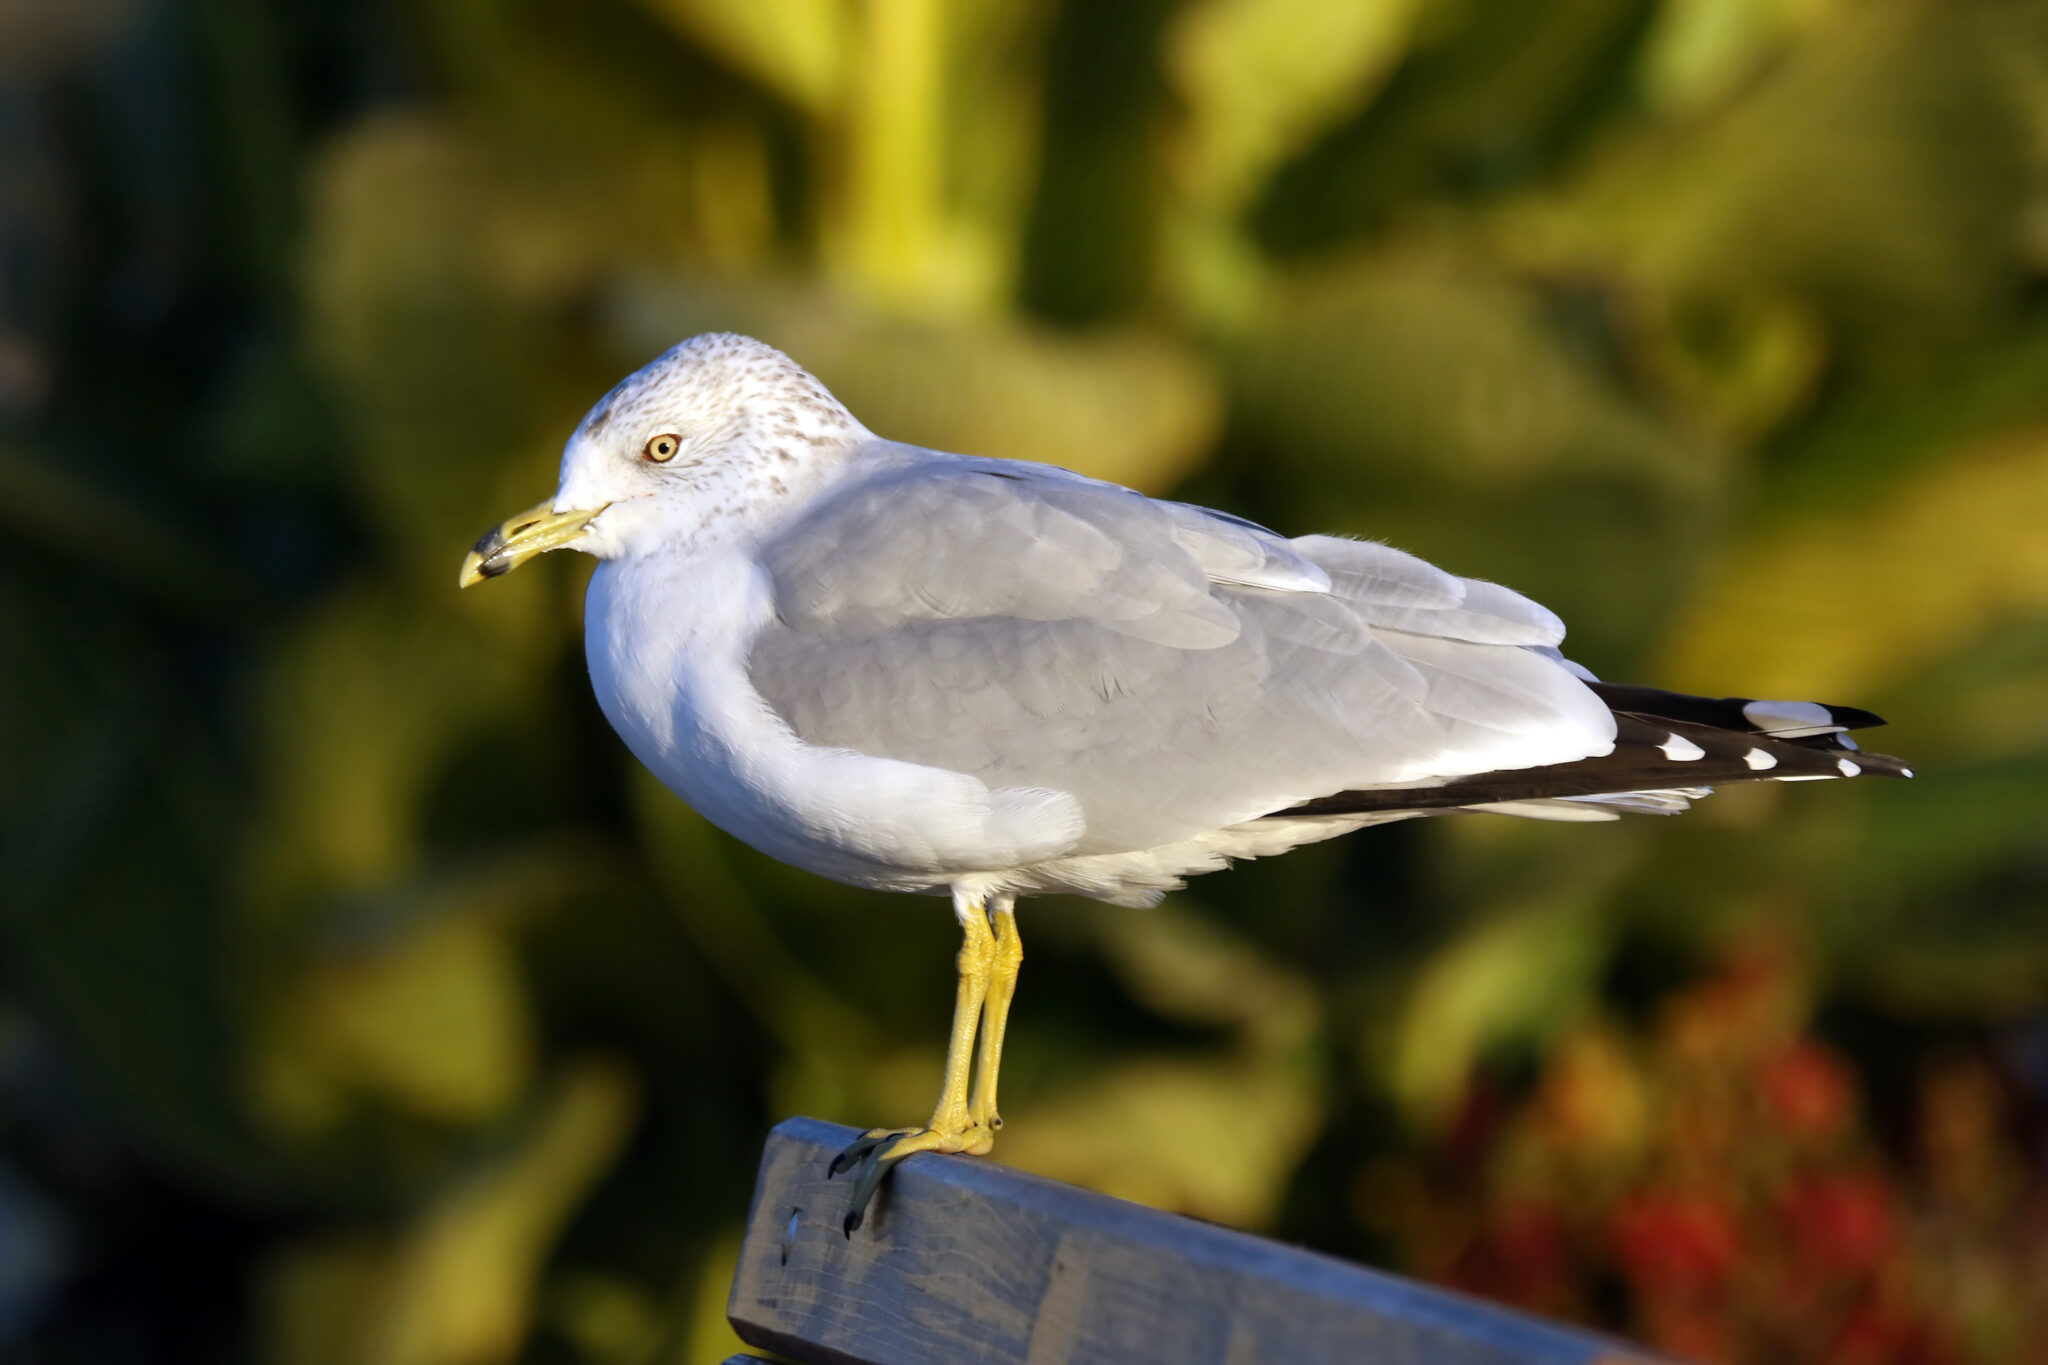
<point>965,1260</point>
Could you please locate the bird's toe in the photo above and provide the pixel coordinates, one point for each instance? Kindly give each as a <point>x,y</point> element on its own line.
<point>877,1152</point>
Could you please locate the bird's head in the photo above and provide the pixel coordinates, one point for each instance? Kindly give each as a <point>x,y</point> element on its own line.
<point>715,423</point>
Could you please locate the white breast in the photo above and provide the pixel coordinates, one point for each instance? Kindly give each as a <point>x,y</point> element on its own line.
<point>667,637</point>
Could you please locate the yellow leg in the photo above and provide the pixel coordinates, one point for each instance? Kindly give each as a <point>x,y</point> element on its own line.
<point>953,1127</point>
<point>977,951</point>
<point>1006,958</point>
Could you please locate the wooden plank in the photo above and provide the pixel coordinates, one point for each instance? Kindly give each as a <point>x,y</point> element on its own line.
<point>965,1260</point>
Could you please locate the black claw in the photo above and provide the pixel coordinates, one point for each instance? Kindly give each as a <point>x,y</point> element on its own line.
<point>866,1152</point>
<point>851,1155</point>
<point>871,1177</point>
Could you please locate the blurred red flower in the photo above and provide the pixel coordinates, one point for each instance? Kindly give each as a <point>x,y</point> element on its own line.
<point>1840,1222</point>
<point>1808,1090</point>
<point>1714,1186</point>
<point>1672,1240</point>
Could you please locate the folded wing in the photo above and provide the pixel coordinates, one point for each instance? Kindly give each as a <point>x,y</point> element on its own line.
<point>1175,670</point>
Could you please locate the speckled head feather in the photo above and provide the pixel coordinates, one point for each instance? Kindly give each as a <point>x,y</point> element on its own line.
<point>751,428</point>
<point>720,381</point>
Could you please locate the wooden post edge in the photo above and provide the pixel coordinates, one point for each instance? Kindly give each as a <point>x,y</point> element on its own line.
<point>962,1259</point>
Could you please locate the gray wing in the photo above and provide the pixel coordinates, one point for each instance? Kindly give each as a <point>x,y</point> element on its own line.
<point>1176,670</point>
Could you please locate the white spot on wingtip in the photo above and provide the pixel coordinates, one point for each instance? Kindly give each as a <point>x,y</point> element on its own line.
<point>1849,768</point>
<point>1905,772</point>
<point>1762,712</point>
<point>1791,719</point>
<point>1680,749</point>
<point>1758,760</point>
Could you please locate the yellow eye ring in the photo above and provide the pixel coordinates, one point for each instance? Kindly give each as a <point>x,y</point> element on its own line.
<point>662,449</point>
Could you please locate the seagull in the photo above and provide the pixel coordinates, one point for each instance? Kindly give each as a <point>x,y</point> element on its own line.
<point>984,679</point>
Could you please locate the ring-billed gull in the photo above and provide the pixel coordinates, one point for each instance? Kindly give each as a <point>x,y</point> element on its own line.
<point>932,673</point>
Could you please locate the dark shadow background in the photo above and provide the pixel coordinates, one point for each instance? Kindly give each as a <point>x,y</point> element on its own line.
<point>361,1001</point>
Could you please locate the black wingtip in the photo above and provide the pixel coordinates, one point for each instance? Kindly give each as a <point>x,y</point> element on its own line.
<point>1727,713</point>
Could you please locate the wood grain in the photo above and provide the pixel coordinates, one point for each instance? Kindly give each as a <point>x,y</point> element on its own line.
<point>964,1260</point>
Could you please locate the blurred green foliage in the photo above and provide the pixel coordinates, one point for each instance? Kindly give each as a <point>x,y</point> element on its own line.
<point>360,1000</point>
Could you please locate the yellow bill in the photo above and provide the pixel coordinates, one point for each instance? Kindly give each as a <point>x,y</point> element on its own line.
<point>534,531</point>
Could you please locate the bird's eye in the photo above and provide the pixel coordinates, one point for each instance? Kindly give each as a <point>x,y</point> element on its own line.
<point>662,449</point>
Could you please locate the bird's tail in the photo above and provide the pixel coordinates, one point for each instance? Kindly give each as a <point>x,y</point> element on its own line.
<point>1668,748</point>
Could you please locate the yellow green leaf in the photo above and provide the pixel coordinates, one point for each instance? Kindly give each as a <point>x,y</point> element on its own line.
<point>1854,597</point>
<point>800,49</point>
<point>457,1285</point>
<point>1259,77</point>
